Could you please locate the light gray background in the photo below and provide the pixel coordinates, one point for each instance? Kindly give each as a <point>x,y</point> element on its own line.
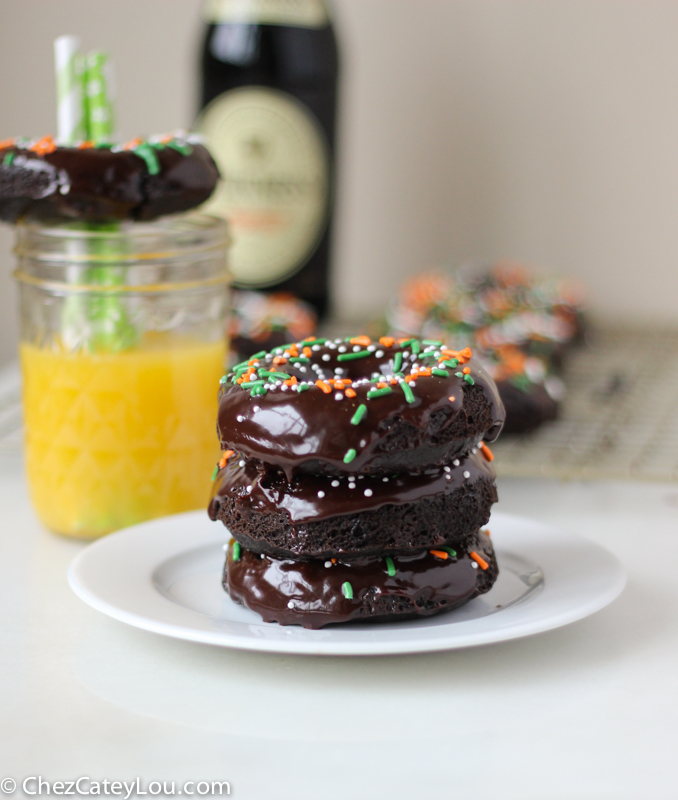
<point>545,131</point>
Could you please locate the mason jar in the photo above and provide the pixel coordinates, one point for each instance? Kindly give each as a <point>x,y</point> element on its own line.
<point>123,342</point>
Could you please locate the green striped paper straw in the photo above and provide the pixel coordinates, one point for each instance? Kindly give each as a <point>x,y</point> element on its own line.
<point>99,96</point>
<point>70,106</point>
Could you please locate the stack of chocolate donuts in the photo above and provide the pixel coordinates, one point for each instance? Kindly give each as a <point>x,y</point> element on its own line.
<point>356,480</point>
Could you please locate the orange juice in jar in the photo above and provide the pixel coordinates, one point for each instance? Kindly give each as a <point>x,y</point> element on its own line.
<point>123,344</point>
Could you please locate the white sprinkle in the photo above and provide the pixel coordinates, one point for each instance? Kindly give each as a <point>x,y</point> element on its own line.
<point>415,371</point>
<point>351,486</point>
<point>249,490</point>
<point>321,495</point>
<point>360,477</point>
<point>331,346</point>
<point>341,349</point>
<point>302,369</point>
<point>385,480</point>
<point>242,463</point>
<point>278,383</point>
<point>225,547</point>
<point>357,348</point>
<point>456,462</point>
<point>315,347</point>
<point>255,409</point>
<point>326,357</point>
<point>335,484</point>
<point>406,353</point>
<point>474,451</point>
<point>295,388</point>
<point>290,604</point>
<point>328,564</point>
<point>448,476</point>
<point>371,348</point>
<point>284,388</point>
<point>338,341</point>
<point>368,492</point>
<point>379,354</point>
<point>338,371</point>
<point>240,418</point>
<point>474,565</point>
<point>338,396</point>
<point>467,474</point>
<point>262,555</point>
<point>447,469</point>
<point>363,442</point>
<point>412,383</point>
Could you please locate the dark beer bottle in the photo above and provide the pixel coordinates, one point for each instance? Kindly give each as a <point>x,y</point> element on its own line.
<point>268,108</point>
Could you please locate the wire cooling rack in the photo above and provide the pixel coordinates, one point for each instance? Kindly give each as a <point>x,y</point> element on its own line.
<point>619,418</point>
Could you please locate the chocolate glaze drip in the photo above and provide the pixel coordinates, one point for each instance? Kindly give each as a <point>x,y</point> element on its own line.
<point>100,185</point>
<point>317,497</point>
<point>310,430</point>
<point>310,593</point>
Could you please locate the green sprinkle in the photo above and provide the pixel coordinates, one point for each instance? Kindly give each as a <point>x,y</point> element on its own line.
<point>399,375</point>
<point>223,379</point>
<point>184,149</point>
<point>284,347</point>
<point>416,347</point>
<point>441,373</point>
<point>433,342</point>
<point>452,553</point>
<point>236,551</point>
<point>347,590</point>
<point>302,387</point>
<point>353,356</point>
<point>258,391</point>
<point>459,374</point>
<point>452,363</point>
<point>409,395</point>
<point>7,160</point>
<point>300,360</point>
<point>251,384</point>
<point>375,380</point>
<point>379,392</point>
<point>359,414</point>
<point>350,455</point>
<point>469,380</point>
<point>397,361</point>
<point>390,566</point>
<point>311,342</point>
<point>216,470</point>
<point>147,153</point>
<point>103,145</point>
<point>260,354</point>
<point>264,373</point>
<point>241,365</point>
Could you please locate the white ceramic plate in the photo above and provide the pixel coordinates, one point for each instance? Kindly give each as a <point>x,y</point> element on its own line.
<point>165,576</point>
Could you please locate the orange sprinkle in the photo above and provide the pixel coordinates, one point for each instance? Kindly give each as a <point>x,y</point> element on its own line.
<point>44,145</point>
<point>362,340</point>
<point>400,341</point>
<point>410,377</point>
<point>479,561</point>
<point>439,554</point>
<point>290,382</point>
<point>338,385</point>
<point>485,450</point>
<point>88,145</point>
<point>310,339</point>
<point>132,143</point>
<point>393,381</point>
<point>382,385</point>
<point>307,352</point>
<point>451,398</point>
<point>273,369</point>
<point>349,392</point>
<point>466,371</point>
<point>6,143</point>
<point>425,371</point>
<point>387,341</point>
<point>227,453</point>
<point>466,353</point>
<point>333,560</point>
<point>279,360</point>
<point>486,531</point>
<point>324,386</point>
<point>252,362</point>
<point>347,381</point>
<point>240,380</point>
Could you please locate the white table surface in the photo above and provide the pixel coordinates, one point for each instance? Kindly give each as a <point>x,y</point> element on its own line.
<point>587,711</point>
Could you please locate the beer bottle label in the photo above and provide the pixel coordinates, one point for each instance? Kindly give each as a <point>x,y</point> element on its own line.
<point>274,190</point>
<point>300,13</point>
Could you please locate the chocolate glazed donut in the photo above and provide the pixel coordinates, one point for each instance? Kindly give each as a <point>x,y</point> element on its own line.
<point>138,181</point>
<point>337,406</point>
